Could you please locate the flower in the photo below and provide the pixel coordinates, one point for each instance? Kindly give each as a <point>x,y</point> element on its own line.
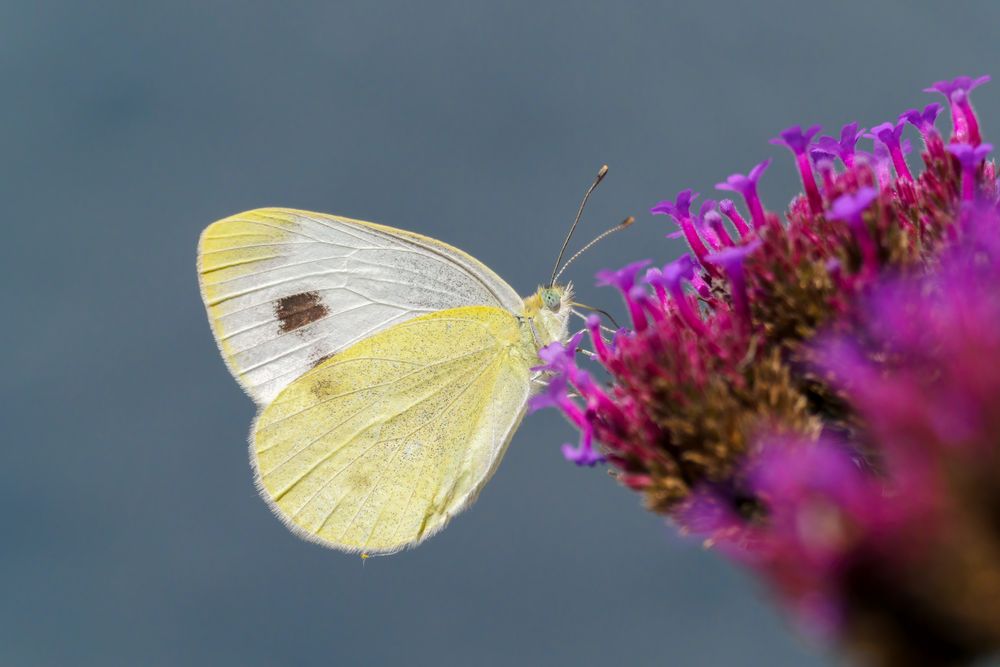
<point>797,140</point>
<point>728,209</point>
<point>732,260</point>
<point>818,396</point>
<point>747,187</point>
<point>845,147</point>
<point>923,120</point>
<point>963,117</point>
<point>623,278</point>
<point>969,157</point>
<point>680,211</point>
<point>583,454</point>
<point>849,208</point>
<point>890,134</point>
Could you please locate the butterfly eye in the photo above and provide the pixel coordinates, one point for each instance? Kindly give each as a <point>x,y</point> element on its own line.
<point>551,299</point>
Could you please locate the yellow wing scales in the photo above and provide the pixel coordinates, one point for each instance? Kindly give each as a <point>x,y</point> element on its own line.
<point>376,448</point>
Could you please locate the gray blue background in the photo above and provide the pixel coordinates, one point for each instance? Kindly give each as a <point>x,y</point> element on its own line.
<point>132,534</point>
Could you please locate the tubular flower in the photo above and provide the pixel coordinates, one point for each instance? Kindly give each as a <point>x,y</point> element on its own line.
<point>846,146</point>
<point>747,187</point>
<point>966,125</point>
<point>797,140</point>
<point>890,135</point>
<point>817,395</point>
<point>969,157</point>
<point>923,120</point>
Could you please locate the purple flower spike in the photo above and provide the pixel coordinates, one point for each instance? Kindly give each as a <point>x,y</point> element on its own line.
<point>681,268</point>
<point>923,120</point>
<point>584,455</point>
<point>969,157</point>
<point>819,152</point>
<point>844,148</point>
<point>714,222</point>
<point>681,208</point>
<point>963,117</point>
<point>849,135</point>
<point>881,161</point>
<point>597,340</point>
<point>708,232</point>
<point>731,260</point>
<point>728,209</point>
<point>680,211</point>
<point>890,135</point>
<point>825,144</point>
<point>636,300</point>
<point>556,395</point>
<point>553,395</point>
<point>964,83</point>
<point>672,278</point>
<point>653,278</point>
<point>559,357</point>
<point>849,208</point>
<point>649,305</point>
<point>825,167</point>
<point>747,186</point>
<point>797,140</point>
<point>624,278</point>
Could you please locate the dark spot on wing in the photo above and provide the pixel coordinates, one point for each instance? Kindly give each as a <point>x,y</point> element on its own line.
<point>298,310</point>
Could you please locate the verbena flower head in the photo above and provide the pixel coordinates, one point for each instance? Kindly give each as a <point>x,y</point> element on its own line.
<point>817,395</point>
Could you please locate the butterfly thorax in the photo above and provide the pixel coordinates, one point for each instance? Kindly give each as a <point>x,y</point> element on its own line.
<point>547,313</point>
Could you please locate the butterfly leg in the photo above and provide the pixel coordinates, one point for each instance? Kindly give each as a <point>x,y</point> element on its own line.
<point>534,332</point>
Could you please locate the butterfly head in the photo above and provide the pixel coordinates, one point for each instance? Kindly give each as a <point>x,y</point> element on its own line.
<point>549,310</point>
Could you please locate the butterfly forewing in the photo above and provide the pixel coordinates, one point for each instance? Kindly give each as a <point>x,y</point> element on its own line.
<point>286,289</point>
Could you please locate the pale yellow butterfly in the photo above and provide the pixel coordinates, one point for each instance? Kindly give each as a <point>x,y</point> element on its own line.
<point>391,369</point>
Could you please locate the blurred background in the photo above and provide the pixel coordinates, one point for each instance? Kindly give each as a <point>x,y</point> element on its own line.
<point>132,533</point>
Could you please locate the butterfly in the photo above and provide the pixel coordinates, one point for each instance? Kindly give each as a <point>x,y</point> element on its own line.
<point>390,369</point>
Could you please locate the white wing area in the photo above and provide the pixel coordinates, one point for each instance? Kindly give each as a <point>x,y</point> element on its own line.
<point>286,289</point>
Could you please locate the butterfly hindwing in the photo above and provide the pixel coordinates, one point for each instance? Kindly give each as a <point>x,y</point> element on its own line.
<point>286,289</point>
<point>379,446</point>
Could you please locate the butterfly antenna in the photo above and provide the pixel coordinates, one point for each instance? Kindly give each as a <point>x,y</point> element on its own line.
<point>597,180</point>
<point>617,228</point>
